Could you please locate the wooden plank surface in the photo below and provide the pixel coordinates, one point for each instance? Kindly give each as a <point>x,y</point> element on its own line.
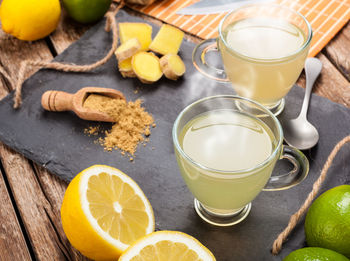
<point>38,194</point>
<point>67,32</point>
<point>331,83</point>
<point>13,51</point>
<point>35,209</point>
<point>338,51</point>
<point>12,242</point>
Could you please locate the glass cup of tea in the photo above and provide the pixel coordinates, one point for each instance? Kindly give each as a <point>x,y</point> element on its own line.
<point>263,49</point>
<point>226,147</point>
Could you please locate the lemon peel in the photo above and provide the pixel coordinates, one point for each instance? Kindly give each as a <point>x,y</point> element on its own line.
<point>29,20</point>
<point>104,211</point>
<point>167,246</point>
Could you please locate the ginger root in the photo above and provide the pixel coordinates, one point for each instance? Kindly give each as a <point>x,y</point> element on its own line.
<point>146,66</point>
<point>141,31</point>
<point>127,49</point>
<point>167,40</point>
<point>172,66</point>
<point>125,68</point>
<point>134,61</point>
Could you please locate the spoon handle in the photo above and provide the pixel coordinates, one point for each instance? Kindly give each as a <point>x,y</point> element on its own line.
<point>313,67</point>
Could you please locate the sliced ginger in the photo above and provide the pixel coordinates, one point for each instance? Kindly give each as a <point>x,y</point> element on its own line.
<point>128,49</point>
<point>167,40</point>
<point>133,60</point>
<point>146,67</point>
<point>125,68</point>
<point>141,31</point>
<point>172,66</point>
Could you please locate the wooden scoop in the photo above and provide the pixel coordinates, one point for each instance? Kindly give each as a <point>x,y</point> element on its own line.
<point>63,101</point>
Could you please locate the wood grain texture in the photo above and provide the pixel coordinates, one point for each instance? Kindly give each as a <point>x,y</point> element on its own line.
<point>67,32</point>
<point>12,242</point>
<point>38,194</point>
<point>13,51</point>
<point>331,83</point>
<point>53,188</point>
<point>41,219</point>
<point>338,51</point>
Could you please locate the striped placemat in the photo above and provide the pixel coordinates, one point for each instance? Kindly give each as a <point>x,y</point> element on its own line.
<point>327,17</point>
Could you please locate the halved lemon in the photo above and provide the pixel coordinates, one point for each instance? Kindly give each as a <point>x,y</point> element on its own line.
<point>104,211</point>
<point>167,246</point>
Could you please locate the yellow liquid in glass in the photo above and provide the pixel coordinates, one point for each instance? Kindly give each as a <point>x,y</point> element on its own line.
<point>262,57</point>
<point>226,140</point>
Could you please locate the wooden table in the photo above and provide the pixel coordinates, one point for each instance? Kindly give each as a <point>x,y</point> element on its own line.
<point>30,197</point>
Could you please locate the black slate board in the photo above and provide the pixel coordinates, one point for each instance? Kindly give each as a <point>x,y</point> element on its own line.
<point>56,141</point>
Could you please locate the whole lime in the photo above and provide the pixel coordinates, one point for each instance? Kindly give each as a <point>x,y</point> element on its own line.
<point>327,222</point>
<point>86,11</point>
<point>315,254</point>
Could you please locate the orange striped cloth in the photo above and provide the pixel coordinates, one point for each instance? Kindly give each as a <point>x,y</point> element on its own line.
<point>326,17</point>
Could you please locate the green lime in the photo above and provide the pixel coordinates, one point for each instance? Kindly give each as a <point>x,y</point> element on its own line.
<point>86,11</point>
<point>327,222</point>
<point>315,254</point>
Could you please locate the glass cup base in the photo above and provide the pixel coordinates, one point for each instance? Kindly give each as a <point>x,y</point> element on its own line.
<point>222,220</point>
<point>277,108</point>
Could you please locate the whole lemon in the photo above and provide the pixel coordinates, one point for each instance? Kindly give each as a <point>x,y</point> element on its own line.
<point>29,20</point>
<point>327,222</point>
<point>315,254</point>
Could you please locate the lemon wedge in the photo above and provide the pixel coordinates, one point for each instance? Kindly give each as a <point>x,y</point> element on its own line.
<point>104,211</point>
<point>167,246</point>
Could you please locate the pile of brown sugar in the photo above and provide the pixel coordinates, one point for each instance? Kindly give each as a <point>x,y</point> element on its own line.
<point>132,122</point>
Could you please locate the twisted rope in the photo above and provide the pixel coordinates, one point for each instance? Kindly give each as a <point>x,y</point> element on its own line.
<point>111,23</point>
<point>294,219</point>
<point>6,75</point>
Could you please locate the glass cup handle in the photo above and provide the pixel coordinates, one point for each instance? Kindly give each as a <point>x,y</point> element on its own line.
<point>199,61</point>
<point>295,176</point>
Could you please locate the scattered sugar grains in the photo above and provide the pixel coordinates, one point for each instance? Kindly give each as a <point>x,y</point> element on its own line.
<point>92,130</point>
<point>132,122</point>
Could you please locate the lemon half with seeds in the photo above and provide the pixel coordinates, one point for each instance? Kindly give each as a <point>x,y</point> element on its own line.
<point>104,211</point>
<point>167,246</point>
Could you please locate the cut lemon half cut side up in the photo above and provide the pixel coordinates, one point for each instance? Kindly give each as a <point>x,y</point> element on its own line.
<point>104,211</point>
<point>167,246</point>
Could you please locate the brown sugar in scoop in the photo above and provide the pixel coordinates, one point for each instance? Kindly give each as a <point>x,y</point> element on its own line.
<point>62,101</point>
<point>105,104</point>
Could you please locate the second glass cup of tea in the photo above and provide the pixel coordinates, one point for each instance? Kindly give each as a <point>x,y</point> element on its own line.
<point>263,49</point>
<point>226,147</point>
